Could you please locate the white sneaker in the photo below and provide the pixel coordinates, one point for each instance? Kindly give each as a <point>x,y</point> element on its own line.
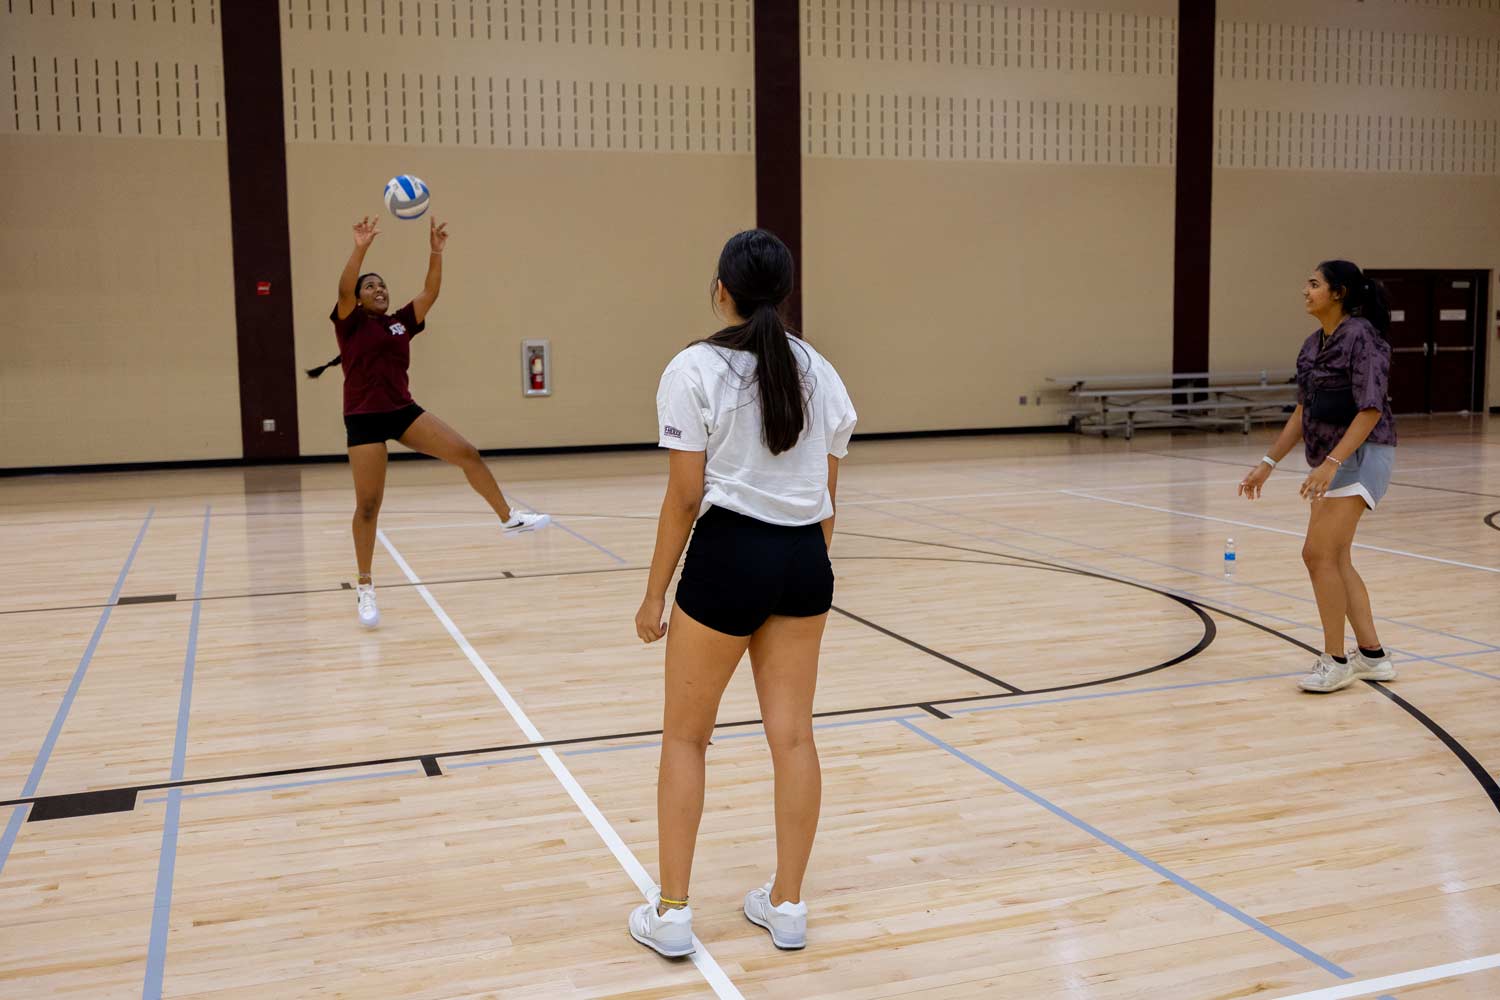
<point>1329,675</point>
<point>787,922</point>
<point>669,934</point>
<point>525,520</point>
<point>369,614</point>
<point>1375,670</point>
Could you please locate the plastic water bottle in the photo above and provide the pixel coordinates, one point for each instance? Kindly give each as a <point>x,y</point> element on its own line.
<point>1229,558</point>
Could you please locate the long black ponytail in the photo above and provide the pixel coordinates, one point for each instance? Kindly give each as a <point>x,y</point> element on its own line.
<point>758,272</point>
<point>1363,296</point>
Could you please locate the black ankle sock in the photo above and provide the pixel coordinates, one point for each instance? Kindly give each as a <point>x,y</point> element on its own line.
<point>1378,653</point>
<point>1340,659</point>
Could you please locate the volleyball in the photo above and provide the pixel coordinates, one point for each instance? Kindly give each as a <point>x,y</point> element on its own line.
<point>406,196</point>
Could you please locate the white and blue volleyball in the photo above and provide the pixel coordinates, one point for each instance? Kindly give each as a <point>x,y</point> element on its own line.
<point>406,196</point>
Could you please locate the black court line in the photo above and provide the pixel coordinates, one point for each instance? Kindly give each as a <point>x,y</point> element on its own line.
<point>79,802</point>
<point>1490,520</point>
<point>1475,768</point>
<point>935,712</point>
<point>87,803</point>
<point>147,599</point>
<point>430,767</point>
<point>346,586</point>
<point>1481,775</point>
<point>930,652</point>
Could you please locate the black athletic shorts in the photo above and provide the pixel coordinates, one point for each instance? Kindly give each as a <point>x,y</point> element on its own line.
<point>740,571</point>
<point>378,428</point>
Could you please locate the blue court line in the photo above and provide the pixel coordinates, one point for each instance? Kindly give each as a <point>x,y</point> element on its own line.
<point>161,911</point>
<point>493,760</point>
<point>585,538</point>
<point>285,785</point>
<point>951,515</point>
<point>1136,856</point>
<point>1120,694</point>
<point>34,779</point>
<point>576,534</point>
<point>1455,666</point>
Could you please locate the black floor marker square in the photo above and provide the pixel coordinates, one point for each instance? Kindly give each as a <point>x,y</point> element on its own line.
<point>147,599</point>
<point>82,804</point>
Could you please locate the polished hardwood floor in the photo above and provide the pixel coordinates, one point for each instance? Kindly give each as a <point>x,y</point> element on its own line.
<point>1064,756</point>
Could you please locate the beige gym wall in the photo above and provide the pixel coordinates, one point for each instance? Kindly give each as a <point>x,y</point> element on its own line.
<point>988,201</point>
<point>590,164</point>
<point>1368,131</point>
<point>114,248</point>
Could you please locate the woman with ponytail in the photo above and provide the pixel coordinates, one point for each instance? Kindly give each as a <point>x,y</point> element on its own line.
<point>756,422</point>
<point>1343,418</point>
<point>374,352</point>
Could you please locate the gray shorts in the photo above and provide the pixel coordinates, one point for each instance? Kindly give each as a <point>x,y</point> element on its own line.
<point>1365,474</point>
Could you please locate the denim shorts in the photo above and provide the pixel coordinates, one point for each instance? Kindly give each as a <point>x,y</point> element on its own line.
<point>1365,474</point>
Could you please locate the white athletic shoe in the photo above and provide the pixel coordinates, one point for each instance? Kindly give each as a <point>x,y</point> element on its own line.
<point>669,935</point>
<point>369,613</point>
<point>787,922</point>
<point>1367,669</point>
<point>525,520</point>
<point>1329,675</point>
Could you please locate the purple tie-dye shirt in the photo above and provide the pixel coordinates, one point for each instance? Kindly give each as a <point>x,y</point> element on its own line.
<point>1356,357</point>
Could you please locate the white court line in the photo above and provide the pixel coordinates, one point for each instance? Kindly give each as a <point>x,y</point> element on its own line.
<point>1035,493</point>
<point>1279,531</point>
<point>1400,979</point>
<point>721,984</point>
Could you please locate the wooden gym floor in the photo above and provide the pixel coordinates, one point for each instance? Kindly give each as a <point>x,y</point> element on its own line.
<point>1063,756</point>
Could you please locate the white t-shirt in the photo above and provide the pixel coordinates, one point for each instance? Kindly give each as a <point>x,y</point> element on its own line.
<point>708,401</point>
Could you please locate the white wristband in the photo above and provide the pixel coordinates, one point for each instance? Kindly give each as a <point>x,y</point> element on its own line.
<point>1268,460</point>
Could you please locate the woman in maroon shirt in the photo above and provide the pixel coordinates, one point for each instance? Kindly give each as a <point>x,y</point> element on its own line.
<point>375,350</point>
<point>1343,419</point>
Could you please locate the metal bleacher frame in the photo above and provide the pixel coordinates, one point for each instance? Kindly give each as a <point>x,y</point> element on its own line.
<point>1191,400</point>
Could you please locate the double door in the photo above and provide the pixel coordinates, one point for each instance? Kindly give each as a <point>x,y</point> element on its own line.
<point>1437,343</point>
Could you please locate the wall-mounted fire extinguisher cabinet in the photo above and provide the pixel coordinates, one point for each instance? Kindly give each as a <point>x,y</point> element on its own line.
<point>536,368</point>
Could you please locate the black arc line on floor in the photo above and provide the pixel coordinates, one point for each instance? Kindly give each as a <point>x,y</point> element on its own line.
<point>114,800</point>
<point>82,803</point>
<point>1490,520</point>
<point>1481,775</point>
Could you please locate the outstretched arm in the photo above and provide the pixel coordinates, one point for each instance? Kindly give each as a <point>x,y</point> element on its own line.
<point>365,231</point>
<point>429,293</point>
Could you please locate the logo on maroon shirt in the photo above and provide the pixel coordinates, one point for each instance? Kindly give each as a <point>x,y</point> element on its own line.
<point>397,329</point>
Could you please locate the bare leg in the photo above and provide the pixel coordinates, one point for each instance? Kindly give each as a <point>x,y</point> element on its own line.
<point>784,655</point>
<point>700,662</point>
<point>368,462</point>
<point>1361,617</point>
<point>1330,533</point>
<point>431,436</point>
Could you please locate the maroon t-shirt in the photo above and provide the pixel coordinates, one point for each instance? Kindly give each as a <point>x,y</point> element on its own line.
<point>375,352</point>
